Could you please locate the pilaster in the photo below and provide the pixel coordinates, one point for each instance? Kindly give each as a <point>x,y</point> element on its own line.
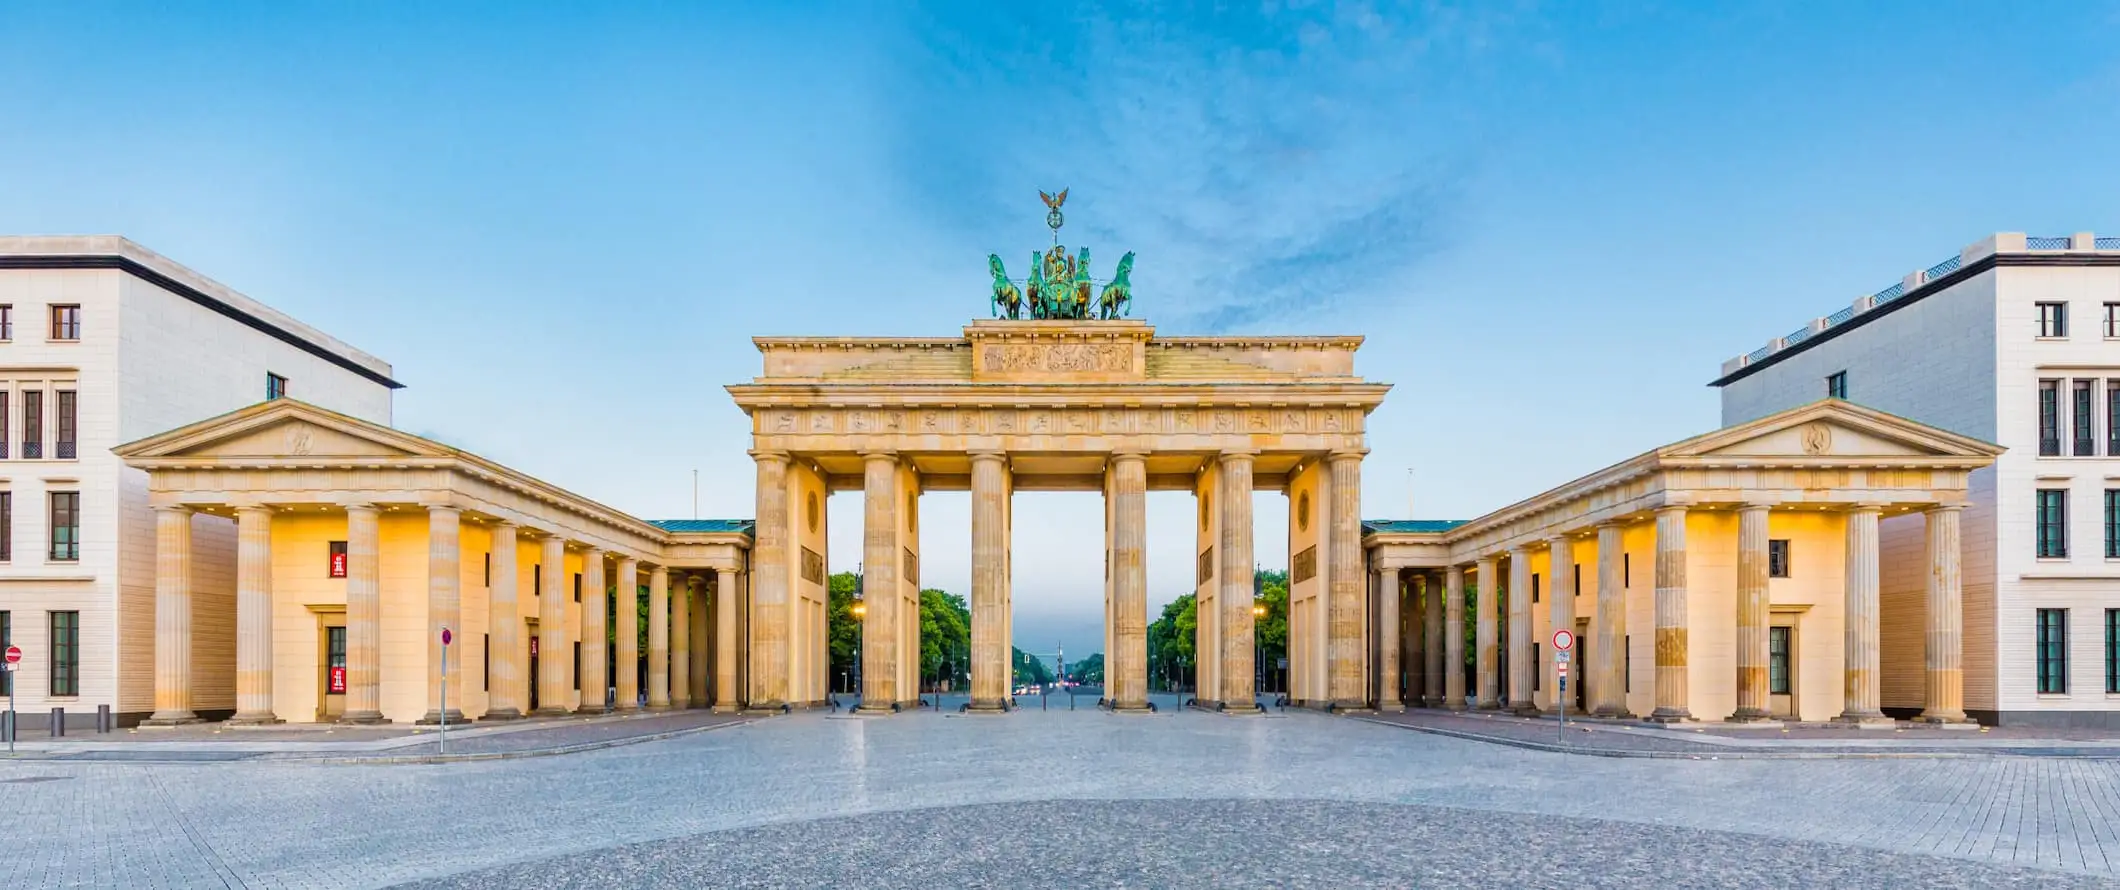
<point>772,588</point>
<point>881,626</point>
<point>991,670</point>
<point>1128,548</point>
<point>1349,583</point>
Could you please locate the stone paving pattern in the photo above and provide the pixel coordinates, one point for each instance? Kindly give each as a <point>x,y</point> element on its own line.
<point>266,824</point>
<point>1630,738</point>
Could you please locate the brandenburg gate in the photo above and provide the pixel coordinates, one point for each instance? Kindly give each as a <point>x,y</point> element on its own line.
<point>1059,403</point>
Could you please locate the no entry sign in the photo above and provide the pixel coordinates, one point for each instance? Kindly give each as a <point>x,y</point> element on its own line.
<point>14,654</point>
<point>1563,640</point>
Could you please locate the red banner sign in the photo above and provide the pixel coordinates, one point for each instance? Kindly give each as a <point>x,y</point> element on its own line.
<point>335,680</point>
<point>338,564</point>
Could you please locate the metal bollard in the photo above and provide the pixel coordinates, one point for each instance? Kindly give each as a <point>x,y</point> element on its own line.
<point>103,719</point>
<point>7,726</point>
<point>58,722</point>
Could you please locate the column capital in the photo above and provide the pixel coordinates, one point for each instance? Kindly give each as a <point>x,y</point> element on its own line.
<point>1134,454</point>
<point>1943,508</point>
<point>505,523</point>
<point>1236,455</point>
<point>1866,507</point>
<point>185,509</point>
<point>879,454</point>
<point>628,561</point>
<point>1680,509</point>
<point>255,510</point>
<point>765,454</point>
<point>1611,524</point>
<point>1340,454</point>
<point>352,506</point>
<point>1520,551</point>
<point>1558,540</point>
<point>433,509</point>
<point>1756,505</point>
<point>984,454</point>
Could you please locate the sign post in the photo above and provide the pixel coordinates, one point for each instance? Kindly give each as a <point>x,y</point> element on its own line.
<point>446,637</point>
<point>1563,640</point>
<point>14,659</point>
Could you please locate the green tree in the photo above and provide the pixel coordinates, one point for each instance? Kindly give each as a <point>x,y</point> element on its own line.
<point>1272,627</point>
<point>1089,671</point>
<point>1170,642</point>
<point>945,635</point>
<point>842,629</point>
<point>1030,670</point>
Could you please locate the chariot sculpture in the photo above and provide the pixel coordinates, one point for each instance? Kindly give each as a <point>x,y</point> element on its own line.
<point>1060,286</point>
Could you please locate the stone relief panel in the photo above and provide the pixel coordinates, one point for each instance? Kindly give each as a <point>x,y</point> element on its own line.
<point>1090,421</point>
<point>812,566</point>
<point>1060,358</point>
<point>1305,565</point>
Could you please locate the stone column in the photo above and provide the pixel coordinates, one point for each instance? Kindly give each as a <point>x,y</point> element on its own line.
<point>172,618</point>
<point>1752,601</point>
<point>364,617</point>
<point>1672,697</point>
<point>726,699</point>
<point>681,643</point>
<point>1520,666</point>
<point>625,606</point>
<point>1239,686</point>
<point>772,589</point>
<point>1487,634</point>
<point>881,627</point>
<point>991,671</point>
<point>1609,693</point>
<point>504,629</point>
<point>1388,639</point>
<point>1349,584</point>
<point>444,609</point>
<point>1454,638</point>
<point>1944,697</point>
<point>555,651</point>
<point>1129,562</point>
<point>1860,615</point>
<point>1412,624</point>
<point>254,617</point>
<point>1432,643</point>
<point>699,633</point>
<point>1560,595</point>
<point>659,638</point>
<point>596,607</point>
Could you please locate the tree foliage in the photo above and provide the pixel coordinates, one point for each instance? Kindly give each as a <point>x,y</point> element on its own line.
<point>1088,671</point>
<point>1029,669</point>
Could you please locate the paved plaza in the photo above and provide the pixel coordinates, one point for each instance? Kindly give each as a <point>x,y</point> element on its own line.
<point>1059,798</point>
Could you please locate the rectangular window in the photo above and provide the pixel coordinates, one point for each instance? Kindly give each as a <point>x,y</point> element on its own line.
<point>577,587</point>
<point>2049,418</point>
<point>1777,661</point>
<point>537,580</point>
<point>485,655</point>
<point>336,568</point>
<point>66,322</point>
<point>7,321</point>
<point>32,424</point>
<point>1626,570</point>
<point>489,569</point>
<point>7,638</point>
<point>66,526</point>
<point>2112,523</point>
<point>7,526</point>
<point>1538,668</point>
<point>2112,648</point>
<point>63,424</point>
<point>66,653</point>
<point>1534,587</point>
<point>2086,428</point>
<point>2053,319</point>
<point>2112,418</point>
<point>1578,578</point>
<point>2052,651</point>
<point>1626,663</point>
<point>2112,319</point>
<point>577,667</point>
<point>275,386</point>
<point>4,418</point>
<point>1837,385</point>
<point>2051,519</point>
<point>335,661</point>
<point>1778,558</point>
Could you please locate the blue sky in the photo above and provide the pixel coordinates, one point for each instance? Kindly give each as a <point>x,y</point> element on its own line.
<point>1552,222</point>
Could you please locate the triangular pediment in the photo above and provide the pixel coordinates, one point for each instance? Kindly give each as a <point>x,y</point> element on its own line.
<point>1829,429</point>
<point>282,428</point>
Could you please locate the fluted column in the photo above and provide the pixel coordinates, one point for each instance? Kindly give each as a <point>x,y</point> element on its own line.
<point>172,617</point>
<point>659,639</point>
<point>596,608</point>
<point>364,617</point>
<point>444,609</point>
<point>699,633</point>
<point>1413,624</point>
<point>772,538</point>
<point>1944,698</point>
<point>254,617</point>
<point>1432,639</point>
<point>504,630</point>
<point>1860,616</point>
<point>1129,562</point>
<point>625,607</point>
<point>1560,596</point>
<point>1454,638</point>
<point>1349,583</point>
<point>681,643</point>
<point>1487,635</point>
<point>1752,602</point>
<point>555,651</point>
<point>1388,639</point>
<point>727,696</point>
<point>881,628</point>
<point>1239,685</point>
<point>990,545</point>
<point>1609,693</point>
<point>1672,699</point>
<point>1520,666</point>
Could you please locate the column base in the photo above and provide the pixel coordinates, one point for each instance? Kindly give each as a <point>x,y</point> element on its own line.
<point>1246,708</point>
<point>363,718</point>
<point>727,708</point>
<point>1750,715</point>
<point>502,714</point>
<point>1141,708</point>
<point>432,718</point>
<point>1523,709</point>
<point>626,707</point>
<point>1487,706</point>
<point>1391,707</point>
<point>987,705</point>
<point>1612,714</point>
<point>1943,719</point>
<point>654,708</point>
<point>551,712</point>
<point>1669,715</point>
<point>681,705</point>
<point>171,718</point>
<point>254,718</point>
<point>1455,707</point>
<point>1865,720</point>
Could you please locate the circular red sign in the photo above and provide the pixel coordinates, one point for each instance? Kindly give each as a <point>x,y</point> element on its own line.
<point>446,636</point>
<point>1563,639</point>
<point>14,654</point>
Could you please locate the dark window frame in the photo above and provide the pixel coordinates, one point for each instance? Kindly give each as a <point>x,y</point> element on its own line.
<point>2112,320</point>
<point>66,322</point>
<point>7,526</point>
<point>2083,416</point>
<point>2049,418</point>
<point>7,321</point>
<point>489,569</point>
<point>275,386</point>
<point>2112,417</point>
<point>2050,651</point>
<point>32,424</point>
<point>1778,557</point>
<point>335,655</point>
<point>65,658</point>
<point>2112,652</point>
<point>6,422</point>
<point>66,426</point>
<point>2050,523</point>
<point>2112,523</point>
<point>1538,667</point>
<point>1534,589</point>
<point>1837,385</point>
<point>1626,570</point>
<point>66,506</point>
<point>537,579</point>
<point>577,587</point>
<point>1780,641</point>
<point>2053,320</point>
<point>1577,577</point>
<point>7,638</point>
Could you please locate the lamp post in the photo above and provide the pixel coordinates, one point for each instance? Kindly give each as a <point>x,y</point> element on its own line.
<point>859,609</point>
<point>1258,648</point>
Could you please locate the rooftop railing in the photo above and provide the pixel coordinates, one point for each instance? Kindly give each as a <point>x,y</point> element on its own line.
<point>2004,242</point>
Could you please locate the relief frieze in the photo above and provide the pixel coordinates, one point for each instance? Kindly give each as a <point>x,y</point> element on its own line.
<point>1059,358</point>
<point>1159,420</point>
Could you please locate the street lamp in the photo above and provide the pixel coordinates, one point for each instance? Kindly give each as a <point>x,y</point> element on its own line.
<point>1258,648</point>
<point>859,610</point>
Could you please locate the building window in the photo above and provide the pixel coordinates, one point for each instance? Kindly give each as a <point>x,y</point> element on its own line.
<point>1778,558</point>
<point>1626,663</point>
<point>66,526</point>
<point>335,661</point>
<point>1626,570</point>
<point>1577,578</point>
<point>66,322</point>
<point>485,657</point>
<point>1778,661</point>
<point>2112,417</point>
<point>577,667</point>
<point>66,653</point>
<point>7,526</point>
<point>32,424</point>
<point>2053,319</point>
<point>537,580</point>
<point>2112,648</point>
<point>489,569</point>
<point>2112,319</point>
<point>1538,667</point>
<point>2112,523</point>
<point>2051,520</point>
<point>2086,429</point>
<point>7,638</point>
<point>275,386</point>
<point>4,417</point>
<point>1837,385</point>
<point>2052,651</point>
<point>7,321</point>
<point>2049,418</point>
<point>577,587</point>
<point>63,423</point>
<point>1534,587</point>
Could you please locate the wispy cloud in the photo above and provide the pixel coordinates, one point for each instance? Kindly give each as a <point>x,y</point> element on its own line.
<point>1262,161</point>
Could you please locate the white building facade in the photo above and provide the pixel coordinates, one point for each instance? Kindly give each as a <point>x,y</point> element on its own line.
<point>2015,341</point>
<point>104,342</point>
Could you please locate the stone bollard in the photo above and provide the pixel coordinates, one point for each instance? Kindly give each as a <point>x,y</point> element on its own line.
<point>104,723</point>
<point>58,722</point>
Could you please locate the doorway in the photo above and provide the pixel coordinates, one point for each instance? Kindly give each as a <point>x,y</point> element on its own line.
<point>1781,666</point>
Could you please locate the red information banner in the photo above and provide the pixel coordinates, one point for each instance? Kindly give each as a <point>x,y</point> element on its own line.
<point>336,680</point>
<point>338,564</point>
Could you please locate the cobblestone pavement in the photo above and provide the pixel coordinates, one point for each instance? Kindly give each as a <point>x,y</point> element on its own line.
<point>206,743</point>
<point>1631,738</point>
<point>1343,801</point>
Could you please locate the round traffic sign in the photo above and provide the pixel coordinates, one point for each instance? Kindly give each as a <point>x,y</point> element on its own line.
<point>1563,640</point>
<point>14,654</point>
<point>447,636</point>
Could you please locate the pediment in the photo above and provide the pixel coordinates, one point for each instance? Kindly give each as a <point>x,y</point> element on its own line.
<point>282,429</point>
<point>293,438</point>
<point>1832,429</point>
